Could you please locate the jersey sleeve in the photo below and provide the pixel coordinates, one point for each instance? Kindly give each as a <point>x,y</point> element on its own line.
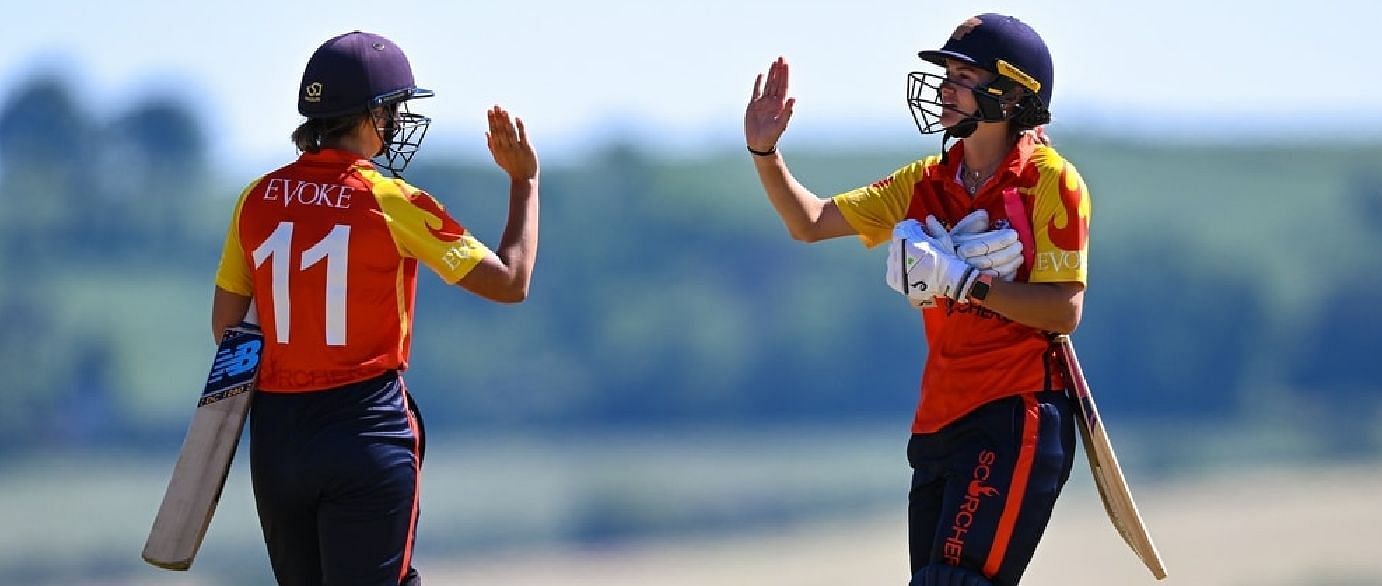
<point>423,229</point>
<point>1060,226</point>
<point>233,274</point>
<point>874,209</point>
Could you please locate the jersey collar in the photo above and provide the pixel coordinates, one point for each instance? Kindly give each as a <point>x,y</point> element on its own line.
<point>1013,165</point>
<point>335,157</point>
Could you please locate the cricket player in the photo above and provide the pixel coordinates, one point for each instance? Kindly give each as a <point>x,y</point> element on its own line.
<point>988,239</point>
<point>328,248</point>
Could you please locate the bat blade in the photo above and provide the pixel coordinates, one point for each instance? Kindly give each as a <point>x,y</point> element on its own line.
<point>1103,464</point>
<point>207,451</point>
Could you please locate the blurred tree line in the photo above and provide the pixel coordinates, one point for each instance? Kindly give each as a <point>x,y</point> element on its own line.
<point>1227,283</point>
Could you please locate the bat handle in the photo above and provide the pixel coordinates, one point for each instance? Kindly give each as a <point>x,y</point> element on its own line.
<point>251,314</point>
<point>1078,387</point>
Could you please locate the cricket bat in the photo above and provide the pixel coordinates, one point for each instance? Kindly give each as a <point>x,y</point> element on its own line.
<point>207,449</point>
<point>1103,464</point>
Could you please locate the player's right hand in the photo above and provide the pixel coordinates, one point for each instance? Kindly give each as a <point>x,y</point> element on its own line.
<point>769,108</point>
<point>508,142</point>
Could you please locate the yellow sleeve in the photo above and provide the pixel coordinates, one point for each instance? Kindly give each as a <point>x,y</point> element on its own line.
<point>874,209</point>
<point>423,230</point>
<point>233,274</point>
<point>1060,225</point>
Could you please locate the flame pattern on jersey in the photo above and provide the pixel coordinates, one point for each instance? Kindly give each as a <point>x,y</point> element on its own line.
<point>329,250</point>
<point>974,354</point>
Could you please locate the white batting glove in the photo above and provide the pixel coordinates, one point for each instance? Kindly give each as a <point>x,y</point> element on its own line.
<point>977,221</point>
<point>923,268</point>
<point>996,252</point>
<point>909,230</point>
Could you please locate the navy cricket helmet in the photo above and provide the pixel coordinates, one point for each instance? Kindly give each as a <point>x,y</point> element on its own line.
<point>1002,45</point>
<point>360,72</point>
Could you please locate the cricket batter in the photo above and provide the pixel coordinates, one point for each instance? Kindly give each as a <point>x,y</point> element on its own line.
<point>328,248</point>
<point>989,238</point>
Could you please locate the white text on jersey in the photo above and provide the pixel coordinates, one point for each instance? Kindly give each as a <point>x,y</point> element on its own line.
<point>307,193</point>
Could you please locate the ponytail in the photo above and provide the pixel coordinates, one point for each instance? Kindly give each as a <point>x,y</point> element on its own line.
<point>314,134</point>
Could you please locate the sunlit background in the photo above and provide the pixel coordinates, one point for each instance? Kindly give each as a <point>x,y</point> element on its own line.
<point>690,397</point>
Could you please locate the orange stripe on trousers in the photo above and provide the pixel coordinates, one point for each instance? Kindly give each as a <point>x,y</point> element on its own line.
<point>1031,423</point>
<point>417,485</point>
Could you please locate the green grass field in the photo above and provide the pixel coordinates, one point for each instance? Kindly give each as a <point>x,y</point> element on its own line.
<point>797,506</point>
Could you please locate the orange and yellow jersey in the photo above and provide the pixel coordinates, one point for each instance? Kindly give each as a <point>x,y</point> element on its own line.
<point>974,354</point>
<point>328,248</point>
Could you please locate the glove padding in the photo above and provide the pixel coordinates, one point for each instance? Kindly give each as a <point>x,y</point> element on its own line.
<point>996,252</point>
<point>924,267</point>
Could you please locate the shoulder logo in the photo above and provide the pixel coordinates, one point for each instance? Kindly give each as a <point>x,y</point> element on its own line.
<point>1070,236</point>
<point>449,230</point>
<point>965,28</point>
<point>312,92</point>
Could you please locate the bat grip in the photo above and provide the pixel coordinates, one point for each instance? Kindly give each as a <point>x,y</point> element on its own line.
<point>1079,388</point>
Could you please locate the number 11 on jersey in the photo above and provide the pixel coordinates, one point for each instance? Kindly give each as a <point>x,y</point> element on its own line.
<point>334,249</point>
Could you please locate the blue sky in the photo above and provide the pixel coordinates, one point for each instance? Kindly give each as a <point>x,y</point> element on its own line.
<point>675,75</point>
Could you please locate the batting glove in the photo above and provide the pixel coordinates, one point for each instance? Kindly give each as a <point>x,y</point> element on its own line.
<point>997,252</point>
<point>923,268</point>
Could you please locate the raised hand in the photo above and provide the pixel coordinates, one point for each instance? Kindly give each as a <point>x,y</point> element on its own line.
<point>769,108</point>
<point>510,147</point>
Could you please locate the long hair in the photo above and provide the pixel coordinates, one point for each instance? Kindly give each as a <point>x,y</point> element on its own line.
<point>314,134</point>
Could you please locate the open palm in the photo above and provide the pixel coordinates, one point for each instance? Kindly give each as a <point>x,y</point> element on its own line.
<point>508,142</point>
<point>769,108</point>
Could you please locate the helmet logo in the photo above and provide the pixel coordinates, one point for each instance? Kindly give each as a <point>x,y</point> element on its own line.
<point>965,28</point>
<point>377,46</point>
<point>313,92</point>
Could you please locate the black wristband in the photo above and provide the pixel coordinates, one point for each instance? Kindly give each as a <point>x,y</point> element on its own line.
<point>768,153</point>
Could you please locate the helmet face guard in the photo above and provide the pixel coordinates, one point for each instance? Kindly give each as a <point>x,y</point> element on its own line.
<point>400,130</point>
<point>924,100</point>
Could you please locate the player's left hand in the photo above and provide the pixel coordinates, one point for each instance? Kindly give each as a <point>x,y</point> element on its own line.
<point>993,252</point>
<point>508,142</point>
<point>975,222</point>
<point>996,252</point>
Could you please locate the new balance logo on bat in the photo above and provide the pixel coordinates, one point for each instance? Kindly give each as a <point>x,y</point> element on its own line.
<point>235,361</point>
<point>234,368</point>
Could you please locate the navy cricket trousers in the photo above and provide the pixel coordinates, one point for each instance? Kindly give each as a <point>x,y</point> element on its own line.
<point>984,486</point>
<point>335,475</point>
